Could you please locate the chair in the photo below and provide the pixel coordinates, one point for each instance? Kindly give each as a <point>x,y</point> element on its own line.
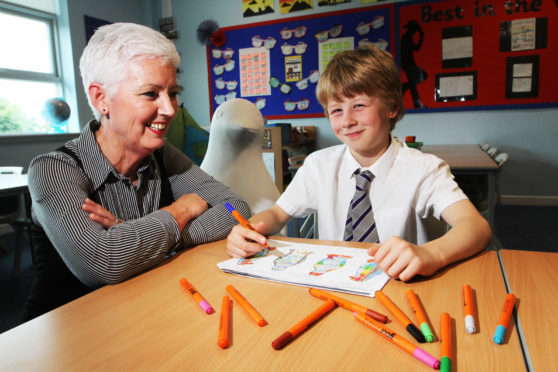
<point>484,146</point>
<point>492,151</point>
<point>501,158</point>
<point>12,213</point>
<point>306,227</point>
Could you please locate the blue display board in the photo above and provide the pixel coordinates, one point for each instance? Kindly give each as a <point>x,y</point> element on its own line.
<point>276,64</point>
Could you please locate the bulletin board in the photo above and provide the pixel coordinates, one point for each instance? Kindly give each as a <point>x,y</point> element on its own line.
<point>482,54</point>
<point>276,64</point>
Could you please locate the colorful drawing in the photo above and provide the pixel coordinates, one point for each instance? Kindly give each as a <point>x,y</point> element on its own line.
<point>290,6</point>
<point>248,261</point>
<point>332,262</point>
<point>366,271</point>
<point>290,259</point>
<point>252,8</point>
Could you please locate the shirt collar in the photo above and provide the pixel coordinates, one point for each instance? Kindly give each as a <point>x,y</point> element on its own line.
<point>95,164</point>
<point>380,169</point>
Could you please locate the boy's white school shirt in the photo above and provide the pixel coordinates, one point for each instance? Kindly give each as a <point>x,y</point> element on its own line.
<point>408,186</point>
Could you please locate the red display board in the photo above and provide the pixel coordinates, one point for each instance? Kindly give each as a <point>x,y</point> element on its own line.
<point>481,54</point>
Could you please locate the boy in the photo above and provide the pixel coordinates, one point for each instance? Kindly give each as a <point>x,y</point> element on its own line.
<point>360,91</point>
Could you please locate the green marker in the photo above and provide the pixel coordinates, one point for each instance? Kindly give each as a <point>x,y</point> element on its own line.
<point>445,342</point>
<point>420,315</point>
<point>425,329</point>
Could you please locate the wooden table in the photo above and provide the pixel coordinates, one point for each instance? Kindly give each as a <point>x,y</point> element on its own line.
<point>532,278</point>
<point>471,160</point>
<point>150,323</point>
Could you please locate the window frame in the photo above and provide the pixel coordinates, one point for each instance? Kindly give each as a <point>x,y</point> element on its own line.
<point>51,20</point>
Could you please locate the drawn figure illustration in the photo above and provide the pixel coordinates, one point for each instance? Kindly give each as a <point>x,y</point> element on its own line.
<point>415,74</point>
<point>290,259</point>
<point>332,262</point>
<point>248,261</point>
<point>366,271</point>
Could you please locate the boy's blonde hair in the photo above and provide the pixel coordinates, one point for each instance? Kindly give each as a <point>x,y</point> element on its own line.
<point>367,70</point>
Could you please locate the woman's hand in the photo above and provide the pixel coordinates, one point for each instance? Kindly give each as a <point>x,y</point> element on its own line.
<point>243,242</point>
<point>402,260</point>
<point>186,208</point>
<point>99,214</point>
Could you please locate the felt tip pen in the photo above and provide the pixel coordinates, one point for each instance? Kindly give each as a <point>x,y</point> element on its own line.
<point>299,327</point>
<point>445,342</point>
<point>468,309</point>
<point>420,315</point>
<point>400,316</point>
<point>246,305</point>
<point>346,304</point>
<point>225,323</point>
<point>415,351</point>
<point>504,319</point>
<point>241,219</point>
<point>197,296</point>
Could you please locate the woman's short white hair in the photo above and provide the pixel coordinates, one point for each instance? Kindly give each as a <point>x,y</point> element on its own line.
<point>112,47</point>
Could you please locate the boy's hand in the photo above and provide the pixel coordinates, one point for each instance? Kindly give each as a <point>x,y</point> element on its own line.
<point>243,242</point>
<point>402,260</point>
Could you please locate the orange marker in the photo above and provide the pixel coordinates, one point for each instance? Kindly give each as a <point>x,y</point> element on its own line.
<point>420,315</point>
<point>197,296</point>
<point>400,316</point>
<point>224,325</point>
<point>415,351</point>
<point>295,330</point>
<point>468,309</point>
<point>246,305</point>
<point>241,219</point>
<point>346,304</point>
<point>445,342</point>
<point>504,320</point>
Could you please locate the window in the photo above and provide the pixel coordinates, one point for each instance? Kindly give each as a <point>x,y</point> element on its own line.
<point>31,94</point>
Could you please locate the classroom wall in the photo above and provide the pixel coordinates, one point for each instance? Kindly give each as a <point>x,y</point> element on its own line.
<point>529,177</point>
<point>529,136</point>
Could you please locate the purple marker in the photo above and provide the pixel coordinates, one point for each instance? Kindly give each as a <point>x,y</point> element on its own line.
<point>197,296</point>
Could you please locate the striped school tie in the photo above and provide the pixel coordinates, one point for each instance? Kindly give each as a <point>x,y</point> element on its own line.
<point>360,225</point>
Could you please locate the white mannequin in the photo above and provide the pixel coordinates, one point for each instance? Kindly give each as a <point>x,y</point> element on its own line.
<point>234,153</point>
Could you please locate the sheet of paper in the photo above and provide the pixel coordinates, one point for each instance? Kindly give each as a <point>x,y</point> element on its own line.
<point>340,269</point>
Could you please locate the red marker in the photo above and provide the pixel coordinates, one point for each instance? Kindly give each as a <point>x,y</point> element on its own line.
<point>299,327</point>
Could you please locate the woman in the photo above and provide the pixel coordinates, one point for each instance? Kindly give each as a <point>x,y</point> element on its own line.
<point>117,200</point>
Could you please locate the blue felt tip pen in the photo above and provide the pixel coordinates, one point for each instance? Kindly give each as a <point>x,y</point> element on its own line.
<point>241,219</point>
<point>504,320</point>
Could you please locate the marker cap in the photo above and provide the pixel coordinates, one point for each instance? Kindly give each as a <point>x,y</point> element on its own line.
<point>206,307</point>
<point>499,334</point>
<point>445,364</point>
<point>470,324</point>
<point>425,329</point>
<point>416,333</point>
<point>426,358</point>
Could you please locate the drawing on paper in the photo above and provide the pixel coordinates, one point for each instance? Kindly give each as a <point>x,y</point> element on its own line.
<point>366,271</point>
<point>344,269</point>
<point>332,262</point>
<point>290,259</point>
<point>249,261</point>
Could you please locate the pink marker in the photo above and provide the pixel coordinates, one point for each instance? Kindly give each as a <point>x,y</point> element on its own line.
<point>409,347</point>
<point>197,296</point>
